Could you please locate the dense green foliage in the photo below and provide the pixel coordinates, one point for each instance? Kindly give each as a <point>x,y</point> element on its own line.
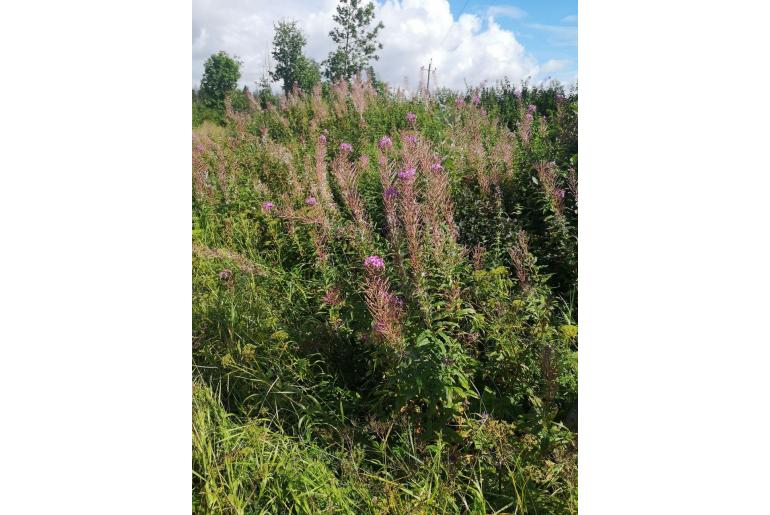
<point>292,67</point>
<point>356,45</point>
<point>220,77</point>
<point>384,303</point>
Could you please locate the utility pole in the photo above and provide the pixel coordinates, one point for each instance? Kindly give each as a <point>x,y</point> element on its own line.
<point>429,65</point>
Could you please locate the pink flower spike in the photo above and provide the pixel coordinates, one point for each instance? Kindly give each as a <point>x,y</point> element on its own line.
<point>322,139</point>
<point>385,143</point>
<point>411,117</point>
<point>267,206</point>
<point>346,147</point>
<point>436,167</point>
<point>311,201</point>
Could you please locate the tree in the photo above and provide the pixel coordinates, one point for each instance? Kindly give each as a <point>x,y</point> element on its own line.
<point>220,77</point>
<point>291,65</point>
<point>356,45</point>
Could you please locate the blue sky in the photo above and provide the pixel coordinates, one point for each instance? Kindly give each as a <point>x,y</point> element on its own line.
<point>546,29</point>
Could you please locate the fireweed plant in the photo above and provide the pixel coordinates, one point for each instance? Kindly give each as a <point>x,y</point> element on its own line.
<point>384,303</point>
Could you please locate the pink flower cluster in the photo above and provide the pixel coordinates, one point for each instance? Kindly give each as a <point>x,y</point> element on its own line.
<point>385,143</point>
<point>411,117</point>
<point>476,100</point>
<point>374,263</point>
<point>346,147</point>
<point>436,167</point>
<point>459,101</point>
<point>407,174</point>
<point>267,206</point>
<point>311,201</point>
<point>322,139</point>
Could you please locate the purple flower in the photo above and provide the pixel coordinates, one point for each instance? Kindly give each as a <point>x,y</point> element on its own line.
<point>374,263</point>
<point>407,174</point>
<point>436,167</point>
<point>390,193</point>
<point>411,117</point>
<point>311,201</point>
<point>346,147</point>
<point>411,139</point>
<point>385,142</point>
<point>459,101</point>
<point>322,139</point>
<point>199,147</point>
<point>483,112</point>
<point>529,116</point>
<point>267,206</point>
<point>559,192</point>
<point>476,100</point>
<point>531,108</point>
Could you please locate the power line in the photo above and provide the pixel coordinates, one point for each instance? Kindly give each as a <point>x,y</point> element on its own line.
<point>453,22</point>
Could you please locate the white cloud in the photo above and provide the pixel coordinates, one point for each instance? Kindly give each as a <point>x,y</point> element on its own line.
<point>508,11</point>
<point>572,18</point>
<point>466,49</point>
<point>554,65</point>
<point>557,35</point>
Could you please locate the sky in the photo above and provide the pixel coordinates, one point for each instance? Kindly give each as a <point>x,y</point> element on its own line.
<point>469,41</point>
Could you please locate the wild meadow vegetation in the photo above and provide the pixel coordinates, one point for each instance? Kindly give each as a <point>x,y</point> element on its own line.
<point>384,302</point>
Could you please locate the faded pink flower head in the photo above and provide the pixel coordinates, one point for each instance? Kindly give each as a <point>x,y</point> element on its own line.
<point>476,100</point>
<point>411,117</point>
<point>559,192</point>
<point>346,147</point>
<point>374,263</point>
<point>332,297</point>
<point>529,116</point>
<point>436,167</point>
<point>483,112</point>
<point>459,101</point>
<point>311,201</point>
<point>411,139</point>
<point>267,206</point>
<point>531,108</point>
<point>322,139</point>
<point>407,174</point>
<point>385,143</point>
<point>390,193</point>
<point>199,147</point>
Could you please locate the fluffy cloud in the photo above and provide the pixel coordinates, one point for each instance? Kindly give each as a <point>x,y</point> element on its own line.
<point>468,49</point>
